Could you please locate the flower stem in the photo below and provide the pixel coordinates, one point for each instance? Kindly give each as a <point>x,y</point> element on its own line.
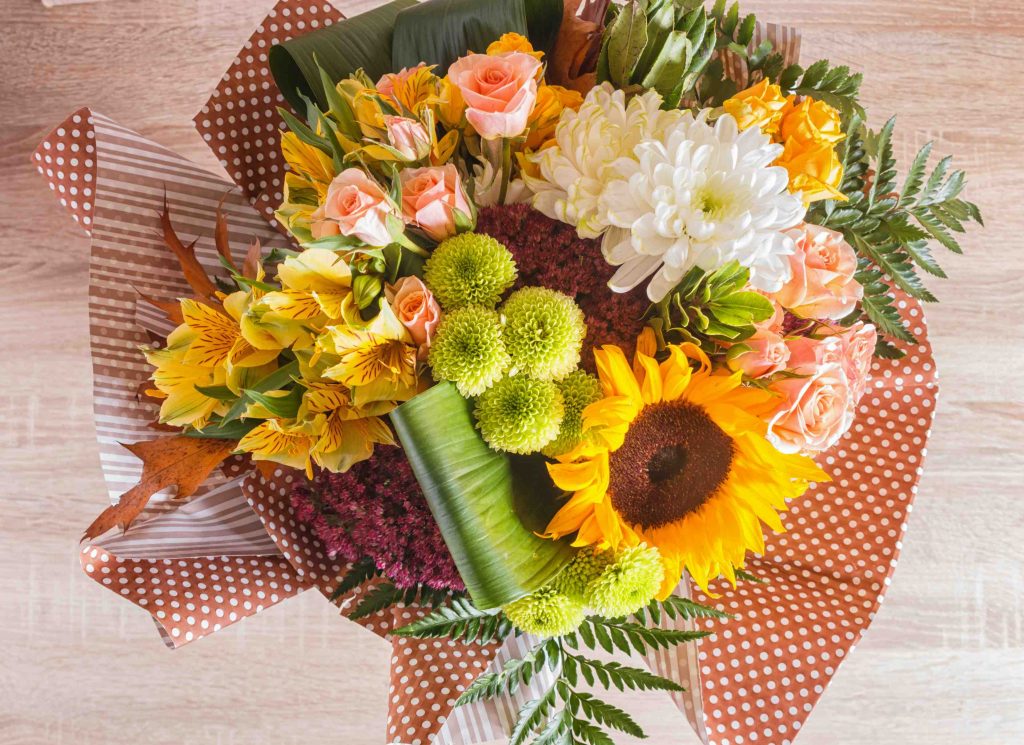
<point>506,168</point>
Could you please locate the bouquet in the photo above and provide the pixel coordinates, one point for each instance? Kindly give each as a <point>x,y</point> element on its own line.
<point>560,314</point>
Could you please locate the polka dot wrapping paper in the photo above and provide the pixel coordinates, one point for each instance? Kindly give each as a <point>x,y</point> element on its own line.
<point>235,548</point>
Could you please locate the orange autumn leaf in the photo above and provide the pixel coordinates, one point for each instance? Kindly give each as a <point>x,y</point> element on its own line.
<point>170,308</point>
<point>573,60</point>
<point>251,265</point>
<point>221,237</point>
<point>193,271</point>
<point>182,462</point>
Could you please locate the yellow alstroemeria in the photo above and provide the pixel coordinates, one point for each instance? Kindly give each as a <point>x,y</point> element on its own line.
<point>349,433</point>
<point>316,290</point>
<point>378,360</point>
<point>449,104</point>
<point>414,90</point>
<point>285,442</point>
<point>310,163</point>
<point>176,381</point>
<point>366,104</point>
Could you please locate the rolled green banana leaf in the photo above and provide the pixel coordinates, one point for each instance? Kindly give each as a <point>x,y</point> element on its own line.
<point>404,33</point>
<point>488,505</point>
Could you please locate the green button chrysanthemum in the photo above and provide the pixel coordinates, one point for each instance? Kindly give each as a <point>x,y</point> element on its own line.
<point>546,613</point>
<point>544,331</point>
<point>468,350</point>
<point>579,389</point>
<point>469,269</point>
<point>585,567</point>
<point>520,414</point>
<point>628,583</point>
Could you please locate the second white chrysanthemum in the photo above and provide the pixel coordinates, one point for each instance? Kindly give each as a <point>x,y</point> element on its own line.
<point>702,195</point>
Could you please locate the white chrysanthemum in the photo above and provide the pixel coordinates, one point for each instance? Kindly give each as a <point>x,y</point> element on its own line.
<point>699,195</point>
<point>588,142</point>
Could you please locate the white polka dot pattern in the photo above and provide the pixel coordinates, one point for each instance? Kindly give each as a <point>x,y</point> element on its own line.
<point>192,598</point>
<point>240,122</point>
<point>67,160</point>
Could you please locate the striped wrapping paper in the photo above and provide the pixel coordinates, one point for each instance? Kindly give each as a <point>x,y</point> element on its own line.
<point>235,548</point>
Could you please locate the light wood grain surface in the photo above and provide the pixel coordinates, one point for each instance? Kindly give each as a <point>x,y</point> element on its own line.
<point>942,665</point>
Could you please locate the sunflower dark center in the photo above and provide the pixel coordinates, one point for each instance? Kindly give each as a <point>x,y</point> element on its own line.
<point>673,460</point>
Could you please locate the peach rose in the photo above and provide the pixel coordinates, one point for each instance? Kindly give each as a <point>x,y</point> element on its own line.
<point>408,137</point>
<point>808,355</point>
<point>764,354</point>
<point>320,226</point>
<point>815,411</point>
<point>858,352</point>
<point>499,92</point>
<point>430,197</point>
<point>359,207</point>
<point>822,285</point>
<point>414,305</point>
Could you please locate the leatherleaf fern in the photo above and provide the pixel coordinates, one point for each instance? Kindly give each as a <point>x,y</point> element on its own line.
<point>563,712</point>
<point>893,227</point>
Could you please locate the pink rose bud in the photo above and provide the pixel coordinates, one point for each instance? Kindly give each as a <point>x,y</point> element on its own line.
<point>430,197</point>
<point>359,207</point>
<point>858,352</point>
<point>415,307</point>
<point>814,411</point>
<point>823,266</point>
<point>499,91</point>
<point>408,137</point>
<point>766,353</point>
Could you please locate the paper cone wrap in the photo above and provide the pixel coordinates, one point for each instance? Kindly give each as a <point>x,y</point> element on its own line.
<point>235,548</point>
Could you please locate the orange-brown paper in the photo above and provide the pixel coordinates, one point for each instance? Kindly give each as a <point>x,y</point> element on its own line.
<point>235,548</point>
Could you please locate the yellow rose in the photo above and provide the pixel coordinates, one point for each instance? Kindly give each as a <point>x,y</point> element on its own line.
<point>551,101</point>
<point>760,106</point>
<point>811,121</point>
<point>512,42</point>
<point>815,170</point>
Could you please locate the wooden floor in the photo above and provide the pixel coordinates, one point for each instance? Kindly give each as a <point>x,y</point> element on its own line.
<point>943,664</point>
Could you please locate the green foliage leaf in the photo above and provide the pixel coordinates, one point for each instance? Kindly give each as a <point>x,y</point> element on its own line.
<point>486,504</point>
<point>358,574</point>
<point>459,620</point>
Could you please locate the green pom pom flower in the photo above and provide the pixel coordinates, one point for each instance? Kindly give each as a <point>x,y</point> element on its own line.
<point>585,567</point>
<point>628,583</point>
<point>544,331</point>
<point>579,389</point>
<point>468,350</point>
<point>520,414</point>
<point>469,269</point>
<point>546,613</point>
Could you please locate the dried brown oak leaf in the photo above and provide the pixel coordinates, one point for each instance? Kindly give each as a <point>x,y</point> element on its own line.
<point>182,462</point>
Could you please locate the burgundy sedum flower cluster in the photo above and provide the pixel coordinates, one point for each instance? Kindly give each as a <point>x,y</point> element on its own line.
<point>378,510</point>
<point>550,254</point>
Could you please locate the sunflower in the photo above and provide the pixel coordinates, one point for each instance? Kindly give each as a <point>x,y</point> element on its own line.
<point>676,457</point>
